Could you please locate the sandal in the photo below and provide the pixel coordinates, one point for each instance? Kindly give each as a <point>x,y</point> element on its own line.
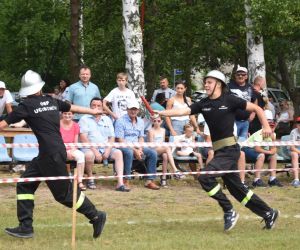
<point>178,175</point>
<point>81,186</point>
<point>122,188</point>
<point>91,184</point>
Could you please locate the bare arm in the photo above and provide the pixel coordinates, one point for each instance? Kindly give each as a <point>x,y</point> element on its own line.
<point>174,112</point>
<point>267,132</point>
<point>84,110</point>
<point>167,119</point>
<point>3,124</point>
<point>107,110</point>
<point>150,136</point>
<point>8,108</point>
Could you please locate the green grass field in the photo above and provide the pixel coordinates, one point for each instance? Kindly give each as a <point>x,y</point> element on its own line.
<point>179,217</point>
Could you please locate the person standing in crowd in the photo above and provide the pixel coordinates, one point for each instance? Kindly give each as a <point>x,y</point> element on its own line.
<point>219,110</point>
<point>180,101</point>
<point>130,128</point>
<point>99,129</point>
<point>82,92</point>
<point>295,152</point>
<point>241,88</point>
<point>42,115</point>
<point>63,89</point>
<point>164,88</point>
<point>119,98</point>
<point>5,100</point>
<point>259,85</point>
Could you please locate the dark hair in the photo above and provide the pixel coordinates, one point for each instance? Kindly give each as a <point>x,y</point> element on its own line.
<point>184,95</point>
<point>160,98</point>
<point>67,84</point>
<point>95,99</point>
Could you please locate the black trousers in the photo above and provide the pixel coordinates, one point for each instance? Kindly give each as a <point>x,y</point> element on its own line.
<point>226,159</point>
<point>62,190</point>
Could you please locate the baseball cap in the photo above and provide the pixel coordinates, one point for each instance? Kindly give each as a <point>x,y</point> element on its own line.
<point>133,104</point>
<point>241,69</point>
<point>2,85</point>
<point>298,119</point>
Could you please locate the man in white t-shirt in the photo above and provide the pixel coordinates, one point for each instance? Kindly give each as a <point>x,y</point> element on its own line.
<point>119,98</point>
<point>295,152</point>
<point>5,100</point>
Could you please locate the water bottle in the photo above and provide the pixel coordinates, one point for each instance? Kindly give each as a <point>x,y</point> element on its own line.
<point>105,163</point>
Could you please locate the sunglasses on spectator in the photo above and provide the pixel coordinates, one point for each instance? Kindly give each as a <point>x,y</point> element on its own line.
<point>156,120</point>
<point>240,74</point>
<point>298,122</point>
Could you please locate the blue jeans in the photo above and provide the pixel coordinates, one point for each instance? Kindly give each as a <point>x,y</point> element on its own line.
<point>150,161</point>
<point>242,130</point>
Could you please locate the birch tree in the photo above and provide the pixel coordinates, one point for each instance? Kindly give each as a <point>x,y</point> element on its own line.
<point>133,41</point>
<point>255,48</point>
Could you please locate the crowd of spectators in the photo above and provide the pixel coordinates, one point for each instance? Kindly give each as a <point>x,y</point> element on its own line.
<point>121,122</point>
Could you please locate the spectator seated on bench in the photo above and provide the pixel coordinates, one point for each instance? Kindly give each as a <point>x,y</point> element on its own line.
<point>157,134</point>
<point>99,129</point>
<point>130,128</point>
<point>259,154</point>
<point>188,154</point>
<point>70,133</point>
<point>295,152</point>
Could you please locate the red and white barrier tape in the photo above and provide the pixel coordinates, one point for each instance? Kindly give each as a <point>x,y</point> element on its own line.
<point>54,178</point>
<point>151,144</point>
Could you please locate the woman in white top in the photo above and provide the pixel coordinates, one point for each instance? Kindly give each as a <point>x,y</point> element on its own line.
<point>157,134</point>
<point>180,101</point>
<point>63,89</point>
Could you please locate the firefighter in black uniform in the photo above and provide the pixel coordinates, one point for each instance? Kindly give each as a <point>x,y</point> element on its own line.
<point>218,110</point>
<point>42,115</point>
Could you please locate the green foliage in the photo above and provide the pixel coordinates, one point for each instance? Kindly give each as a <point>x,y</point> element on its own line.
<point>177,34</point>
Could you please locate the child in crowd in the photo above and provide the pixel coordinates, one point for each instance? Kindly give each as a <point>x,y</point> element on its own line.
<point>70,133</point>
<point>119,98</point>
<point>188,137</point>
<point>157,134</point>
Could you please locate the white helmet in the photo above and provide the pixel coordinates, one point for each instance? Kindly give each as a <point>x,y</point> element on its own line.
<point>31,83</point>
<point>216,74</point>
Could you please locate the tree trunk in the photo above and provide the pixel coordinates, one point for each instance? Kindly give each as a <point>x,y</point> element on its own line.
<point>150,47</point>
<point>74,60</point>
<point>287,83</point>
<point>133,40</point>
<point>255,49</point>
